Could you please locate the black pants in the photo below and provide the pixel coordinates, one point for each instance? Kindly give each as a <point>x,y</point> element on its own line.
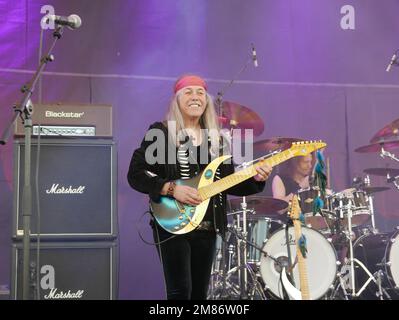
<point>187,262</point>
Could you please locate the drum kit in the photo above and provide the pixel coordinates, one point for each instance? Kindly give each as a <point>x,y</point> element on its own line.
<point>348,258</point>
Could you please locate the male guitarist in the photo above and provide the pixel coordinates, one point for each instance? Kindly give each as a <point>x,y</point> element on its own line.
<point>183,149</point>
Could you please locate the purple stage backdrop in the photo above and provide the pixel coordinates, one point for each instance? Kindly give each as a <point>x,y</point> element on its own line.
<point>321,75</point>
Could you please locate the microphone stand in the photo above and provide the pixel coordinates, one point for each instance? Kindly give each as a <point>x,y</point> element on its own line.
<point>25,109</point>
<point>219,106</point>
<point>220,94</point>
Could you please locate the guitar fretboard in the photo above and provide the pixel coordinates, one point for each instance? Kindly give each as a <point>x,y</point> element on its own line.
<point>303,274</point>
<point>242,175</point>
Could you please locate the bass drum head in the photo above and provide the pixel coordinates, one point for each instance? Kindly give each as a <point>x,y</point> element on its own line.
<point>393,258</point>
<point>321,262</point>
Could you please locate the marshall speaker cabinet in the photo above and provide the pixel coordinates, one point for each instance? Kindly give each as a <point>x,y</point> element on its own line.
<point>76,189</point>
<point>68,270</point>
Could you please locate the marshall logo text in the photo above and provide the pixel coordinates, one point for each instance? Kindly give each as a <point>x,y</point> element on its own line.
<point>64,295</point>
<point>57,189</point>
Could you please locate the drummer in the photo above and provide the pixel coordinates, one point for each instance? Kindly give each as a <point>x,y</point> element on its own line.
<point>292,176</point>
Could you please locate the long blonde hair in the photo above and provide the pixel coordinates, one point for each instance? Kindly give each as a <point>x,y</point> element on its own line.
<point>208,120</point>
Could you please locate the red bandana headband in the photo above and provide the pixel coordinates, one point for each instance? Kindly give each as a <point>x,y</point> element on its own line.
<point>190,81</point>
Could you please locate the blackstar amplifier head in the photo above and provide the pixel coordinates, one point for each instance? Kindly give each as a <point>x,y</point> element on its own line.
<point>63,119</point>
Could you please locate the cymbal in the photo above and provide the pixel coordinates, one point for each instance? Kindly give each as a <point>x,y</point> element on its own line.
<point>390,130</point>
<point>274,144</point>
<point>263,206</point>
<point>382,171</point>
<point>374,189</point>
<point>376,147</point>
<point>236,116</point>
<point>368,189</point>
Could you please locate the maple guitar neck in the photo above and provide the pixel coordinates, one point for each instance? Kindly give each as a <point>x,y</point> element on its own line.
<point>242,175</point>
<point>303,274</point>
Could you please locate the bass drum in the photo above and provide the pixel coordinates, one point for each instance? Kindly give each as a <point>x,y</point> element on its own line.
<point>378,252</point>
<point>321,262</point>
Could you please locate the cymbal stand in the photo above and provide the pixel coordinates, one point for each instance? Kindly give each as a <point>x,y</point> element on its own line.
<point>220,287</point>
<point>256,285</point>
<point>394,180</point>
<point>371,205</point>
<point>224,285</point>
<point>352,259</point>
<point>385,153</point>
<point>242,251</point>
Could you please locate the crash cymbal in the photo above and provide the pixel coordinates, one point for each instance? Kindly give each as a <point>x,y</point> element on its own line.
<point>236,116</point>
<point>263,206</point>
<point>374,189</point>
<point>376,147</point>
<point>274,144</point>
<point>382,171</point>
<point>389,131</point>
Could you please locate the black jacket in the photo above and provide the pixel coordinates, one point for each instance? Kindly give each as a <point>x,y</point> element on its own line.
<point>143,182</point>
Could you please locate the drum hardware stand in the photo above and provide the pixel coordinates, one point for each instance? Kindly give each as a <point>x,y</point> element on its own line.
<point>342,285</point>
<point>242,265</point>
<point>384,154</point>
<point>223,281</point>
<point>371,205</point>
<point>381,291</point>
<point>394,180</point>
<point>287,241</point>
<point>242,251</point>
<point>352,260</point>
<point>220,271</point>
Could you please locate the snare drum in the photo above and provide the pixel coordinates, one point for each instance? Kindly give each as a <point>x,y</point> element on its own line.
<point>321,262</point>
<point>358,202</point>
<point>315,221</point>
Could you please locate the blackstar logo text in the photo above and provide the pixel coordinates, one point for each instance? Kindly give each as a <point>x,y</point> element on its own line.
<point>57,189</point>
<point>62,114</point>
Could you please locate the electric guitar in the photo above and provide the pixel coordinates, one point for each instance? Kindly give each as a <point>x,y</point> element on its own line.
<point>303,275</point>
<point>178,218</point>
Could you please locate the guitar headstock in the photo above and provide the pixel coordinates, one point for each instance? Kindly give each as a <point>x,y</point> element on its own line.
<point>302,148</point>
<point>294,209</point>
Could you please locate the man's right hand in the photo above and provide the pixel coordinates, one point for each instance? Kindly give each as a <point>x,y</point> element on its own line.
<point>184,194</point>
<point>187,195</point>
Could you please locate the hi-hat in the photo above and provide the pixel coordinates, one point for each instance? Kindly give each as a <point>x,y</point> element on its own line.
<point>236,116</point>
<point>389,131</point>
<point>382,171</point>
<point>376,147</point>
<point>274,144</point>
<point>263,206</point>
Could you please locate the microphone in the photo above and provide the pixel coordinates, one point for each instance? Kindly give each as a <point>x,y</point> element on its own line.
<point>72,22</point>
<point>392,62</point>
<point>254,56</point>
